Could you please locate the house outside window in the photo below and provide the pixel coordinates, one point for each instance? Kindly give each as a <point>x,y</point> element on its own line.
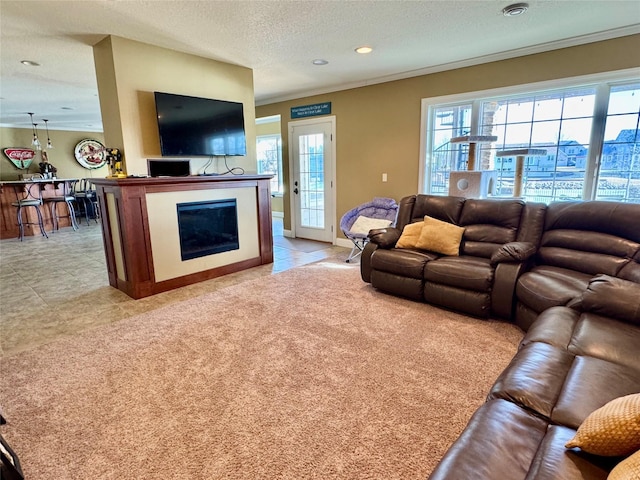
<point>589,133</point>
<point>269,156</point>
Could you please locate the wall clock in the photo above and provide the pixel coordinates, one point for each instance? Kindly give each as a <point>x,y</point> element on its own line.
<point>90,153</point>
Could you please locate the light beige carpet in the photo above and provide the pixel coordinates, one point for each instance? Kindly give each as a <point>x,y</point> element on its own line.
<point>307,374</point>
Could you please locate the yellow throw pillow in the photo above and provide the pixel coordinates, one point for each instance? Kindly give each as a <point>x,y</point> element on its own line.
<point>410,235</point>
<point>628,469</point>
<point>440,237</point>
<point>612,430</point>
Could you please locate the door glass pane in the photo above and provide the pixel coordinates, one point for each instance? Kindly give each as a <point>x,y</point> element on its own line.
<point>619,175</point>
<point>311,158</point>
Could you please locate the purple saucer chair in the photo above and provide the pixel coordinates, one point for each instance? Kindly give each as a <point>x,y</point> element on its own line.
<point>356,223</point>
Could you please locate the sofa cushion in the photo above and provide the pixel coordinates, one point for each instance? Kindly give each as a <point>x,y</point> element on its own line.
<point>561,386</point>
<point>500,441</point>
<point>399,285</point>
<point>534,378</point>
<point>553,461</point>
<point>613,218</point>
<point>440,237</point>
<point>470,273</point>
<point>611,430</point>
<point>612,297</point>
<point>403,262</point>
<point>445,208</point>
<point>585,333</point>
<point>591,383</point>
<point>546,286</point>
<point>477,304</point>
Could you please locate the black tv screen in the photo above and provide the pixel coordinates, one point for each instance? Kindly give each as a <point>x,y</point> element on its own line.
<point>192,126</point>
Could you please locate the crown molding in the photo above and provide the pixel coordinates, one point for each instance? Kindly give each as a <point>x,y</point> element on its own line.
<point>519,52</point>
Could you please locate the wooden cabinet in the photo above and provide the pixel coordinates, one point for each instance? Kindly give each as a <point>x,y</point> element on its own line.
<point>141,236</point>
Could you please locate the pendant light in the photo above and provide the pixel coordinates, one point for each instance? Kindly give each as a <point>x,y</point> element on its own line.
<point>49,145</point>
<point>35,142</point>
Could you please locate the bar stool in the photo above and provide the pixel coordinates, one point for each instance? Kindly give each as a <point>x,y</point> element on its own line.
<point>26,197</point>
<point>86,193</point>
<point>67,198</point>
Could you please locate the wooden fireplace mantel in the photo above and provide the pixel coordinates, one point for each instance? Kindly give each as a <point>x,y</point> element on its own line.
<point>135,222</point>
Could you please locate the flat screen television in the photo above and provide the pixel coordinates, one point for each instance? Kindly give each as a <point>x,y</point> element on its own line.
<point>192,126</point>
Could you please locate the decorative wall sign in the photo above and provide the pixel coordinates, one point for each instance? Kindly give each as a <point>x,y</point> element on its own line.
<point>90,153</point>
<point>20,157</point>
<point>311,110</point>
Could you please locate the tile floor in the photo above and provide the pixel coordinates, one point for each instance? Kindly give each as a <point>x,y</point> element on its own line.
<point>58,286</point>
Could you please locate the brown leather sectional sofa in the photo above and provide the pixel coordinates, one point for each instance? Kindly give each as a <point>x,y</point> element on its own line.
<point>569,275</point>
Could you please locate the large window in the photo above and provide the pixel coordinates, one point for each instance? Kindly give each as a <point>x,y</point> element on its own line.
<point>583,140</point>
<point>269,155</point>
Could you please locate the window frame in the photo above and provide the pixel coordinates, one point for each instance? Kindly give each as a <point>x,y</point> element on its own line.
<point>278,138</point>
<point>602,82</point>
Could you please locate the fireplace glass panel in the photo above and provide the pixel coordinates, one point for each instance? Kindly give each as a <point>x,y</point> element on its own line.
<point>207,228</point>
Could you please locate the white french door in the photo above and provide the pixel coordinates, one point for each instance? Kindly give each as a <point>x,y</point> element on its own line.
<point>312,151</point>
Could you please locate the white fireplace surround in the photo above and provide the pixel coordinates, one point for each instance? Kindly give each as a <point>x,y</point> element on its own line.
<point>165,239</point>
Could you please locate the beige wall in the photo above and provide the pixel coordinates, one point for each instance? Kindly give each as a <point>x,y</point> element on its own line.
<point>61,156</point>
<point>129,72</point>
<point>378,126</point>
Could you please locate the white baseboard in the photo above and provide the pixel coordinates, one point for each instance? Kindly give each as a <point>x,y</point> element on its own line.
<point>287,233</point>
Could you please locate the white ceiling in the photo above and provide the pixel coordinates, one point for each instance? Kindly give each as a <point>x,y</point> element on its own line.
<point>278,39</point>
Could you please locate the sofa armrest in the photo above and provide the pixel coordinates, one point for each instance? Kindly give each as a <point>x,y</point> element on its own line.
<point>503,293</point>
<point>513,252</point>
<point>611,297</point>
<point>384,237</point>
<point>365,261</point>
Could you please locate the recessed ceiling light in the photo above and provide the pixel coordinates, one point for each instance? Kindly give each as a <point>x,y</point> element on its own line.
<point>364,49</point>
<point>30,63</point>
<point>515,9</point>
<point>319,61</point>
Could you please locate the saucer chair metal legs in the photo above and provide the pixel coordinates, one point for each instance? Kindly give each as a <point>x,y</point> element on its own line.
<point>357,222</point>
<point>358,247</point>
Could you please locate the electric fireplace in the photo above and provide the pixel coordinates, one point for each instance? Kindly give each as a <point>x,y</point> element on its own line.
<point>208,227</point>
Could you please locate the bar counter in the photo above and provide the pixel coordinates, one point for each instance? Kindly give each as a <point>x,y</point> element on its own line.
<point>49,187</point>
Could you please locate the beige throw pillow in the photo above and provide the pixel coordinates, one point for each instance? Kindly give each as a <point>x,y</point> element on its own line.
<point>410,235</point>
<point>611,430</point>
<point>440,237</point>
<point>628,469</point>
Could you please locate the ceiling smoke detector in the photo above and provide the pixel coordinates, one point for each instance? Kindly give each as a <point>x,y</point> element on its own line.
<point>515,9</point>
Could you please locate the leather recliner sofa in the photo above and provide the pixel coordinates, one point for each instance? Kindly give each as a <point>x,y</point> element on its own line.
<point>499,236</point>
<point>572,361</point>
<point>516,259</point>
<point>579,240</point>
<point>577,296</point>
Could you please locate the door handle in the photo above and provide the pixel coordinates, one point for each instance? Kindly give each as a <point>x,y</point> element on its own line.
<point>295,190</point>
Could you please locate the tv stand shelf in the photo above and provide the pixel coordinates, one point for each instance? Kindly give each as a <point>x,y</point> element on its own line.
<point>140,230</point>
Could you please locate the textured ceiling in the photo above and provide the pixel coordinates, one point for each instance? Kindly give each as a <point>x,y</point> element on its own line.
<point>278,39</point>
